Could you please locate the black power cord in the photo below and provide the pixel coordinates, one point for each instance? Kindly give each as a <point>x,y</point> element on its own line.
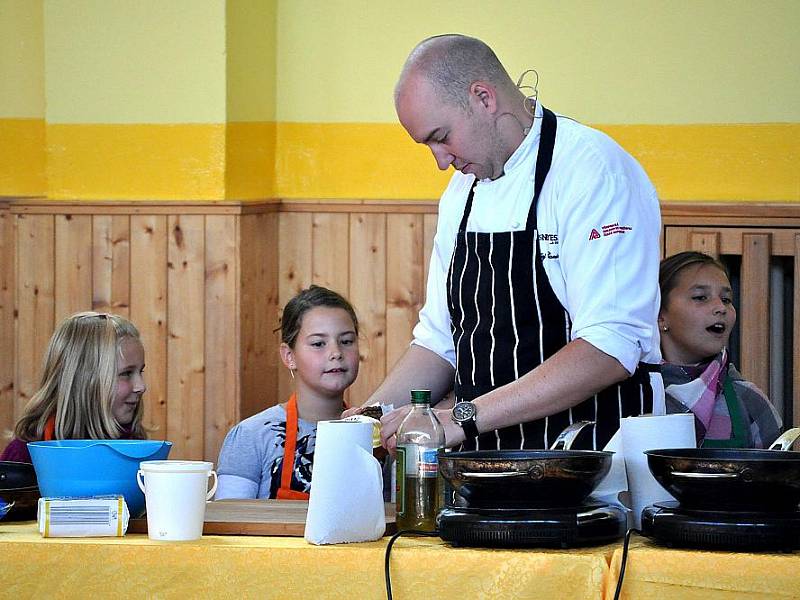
<point>389,551</point>
<point>624,560</point>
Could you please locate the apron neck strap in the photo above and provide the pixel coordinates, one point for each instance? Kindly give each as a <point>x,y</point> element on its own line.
<point>738,432</point>
<point>50,429</point>
<point>289,446</point>
<point>544,158</point>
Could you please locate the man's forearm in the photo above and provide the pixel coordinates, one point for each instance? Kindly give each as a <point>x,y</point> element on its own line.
<point>573,374</point>
<point>418,368</point>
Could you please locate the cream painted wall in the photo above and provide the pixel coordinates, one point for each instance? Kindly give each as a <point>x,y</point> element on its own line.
<point>251,59</point>
<point>612,61</point>
<point>21,59</point>
<point>150,61</point>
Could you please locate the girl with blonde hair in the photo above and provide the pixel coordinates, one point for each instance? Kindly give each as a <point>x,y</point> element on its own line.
<point>91,387</point>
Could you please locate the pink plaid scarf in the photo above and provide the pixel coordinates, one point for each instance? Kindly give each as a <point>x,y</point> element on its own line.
<point>700,395</point>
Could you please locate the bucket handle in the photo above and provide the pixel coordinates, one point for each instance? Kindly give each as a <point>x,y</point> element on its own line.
<point>213,489</point>
<point>209,494</point>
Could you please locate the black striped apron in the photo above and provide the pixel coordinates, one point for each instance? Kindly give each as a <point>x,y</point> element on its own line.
<point>505,323</point>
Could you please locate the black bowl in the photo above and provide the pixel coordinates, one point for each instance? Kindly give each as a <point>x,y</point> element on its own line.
<point>18,485</point>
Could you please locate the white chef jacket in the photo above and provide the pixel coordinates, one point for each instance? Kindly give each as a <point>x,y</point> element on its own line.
<point>599,224</point>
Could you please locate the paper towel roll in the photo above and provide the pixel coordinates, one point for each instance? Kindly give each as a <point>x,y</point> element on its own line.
<point>346,502</point>
<point>649,433</point>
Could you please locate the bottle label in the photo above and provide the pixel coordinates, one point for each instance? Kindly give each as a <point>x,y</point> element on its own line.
<point>400,481</point>
<point>419,461</point>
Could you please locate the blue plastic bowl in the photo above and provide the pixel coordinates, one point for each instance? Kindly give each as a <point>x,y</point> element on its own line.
<point>95,467</point>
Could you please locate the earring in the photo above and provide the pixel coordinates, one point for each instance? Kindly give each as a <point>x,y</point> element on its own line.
<point>291,371</point>
<point>665,328</point>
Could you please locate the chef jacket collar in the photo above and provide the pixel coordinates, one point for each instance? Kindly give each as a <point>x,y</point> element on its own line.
<point>529,144</point>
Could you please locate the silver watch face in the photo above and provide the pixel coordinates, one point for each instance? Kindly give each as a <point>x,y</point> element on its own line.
<point>463,411</point>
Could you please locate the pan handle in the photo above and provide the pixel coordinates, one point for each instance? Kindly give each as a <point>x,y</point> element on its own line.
<point>786,439</point>
<point>469,475</point>
<point>566,437</point>
<point>704,475</point>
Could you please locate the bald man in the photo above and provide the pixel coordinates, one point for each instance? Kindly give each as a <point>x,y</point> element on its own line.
<point>542,294</point>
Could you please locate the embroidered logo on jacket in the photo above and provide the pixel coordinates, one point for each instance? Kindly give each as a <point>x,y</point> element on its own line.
<point>614,228</point>
<point>609,229</point>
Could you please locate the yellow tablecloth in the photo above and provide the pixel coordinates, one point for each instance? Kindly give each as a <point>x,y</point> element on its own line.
<point>280,567</point>
<point>654,573</point>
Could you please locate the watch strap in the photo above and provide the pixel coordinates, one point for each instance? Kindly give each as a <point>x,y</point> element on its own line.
<point>470,428</point>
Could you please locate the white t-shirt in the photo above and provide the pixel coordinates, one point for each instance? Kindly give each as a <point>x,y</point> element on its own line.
<point>599,224</point>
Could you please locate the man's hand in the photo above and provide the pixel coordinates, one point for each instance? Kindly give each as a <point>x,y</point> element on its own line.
<point>390,423</point>
<point>353,410</point>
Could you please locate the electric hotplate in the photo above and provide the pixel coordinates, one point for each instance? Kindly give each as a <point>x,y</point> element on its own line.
<point>589,524</point>
<point>670,524</point>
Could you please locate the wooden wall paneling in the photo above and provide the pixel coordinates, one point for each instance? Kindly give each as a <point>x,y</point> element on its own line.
<point>705,241</point>
<point>754,304</point>
<point>186,335</point>
<point>430,222</point>
<point>73,265</point>
<point>781,240</point>
<point>796,337</point>
<point>35,301</point>
<point>368,295</point>
<point>295,272</point>
<point>222,316</point>
<point>330,256</point>
<point>676,239</point>
<point>330,243</point>
<point>259,312</point>
<point>405,281</point>
<point>148,311</point>
<point>7,345</point>
<point>111,264</point>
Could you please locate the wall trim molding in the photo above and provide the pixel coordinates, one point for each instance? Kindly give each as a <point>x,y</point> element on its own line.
<point>698,213</point>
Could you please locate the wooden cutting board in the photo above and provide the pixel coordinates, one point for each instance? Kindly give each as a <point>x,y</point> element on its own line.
<point>257,517</point>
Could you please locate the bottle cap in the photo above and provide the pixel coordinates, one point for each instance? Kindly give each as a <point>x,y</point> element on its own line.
<point>421,396</point>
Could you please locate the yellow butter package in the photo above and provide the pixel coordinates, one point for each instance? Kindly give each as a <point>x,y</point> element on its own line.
<point>105,516</point>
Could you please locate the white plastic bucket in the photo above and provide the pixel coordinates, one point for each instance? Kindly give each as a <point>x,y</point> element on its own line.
<point>175,494</point>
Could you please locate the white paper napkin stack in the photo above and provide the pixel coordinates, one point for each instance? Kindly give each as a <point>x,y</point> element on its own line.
<point>650,433</point>
<point>346,502</point>
<point>629,483</point>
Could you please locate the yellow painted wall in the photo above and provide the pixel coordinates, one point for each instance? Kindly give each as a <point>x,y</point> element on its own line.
<point>22,157</point>
<point>609,61</point>
<point>249,99</point>
<point>142,61</point>
<point>251,72</point>
<point>694,75</point>
<point>136,99</point>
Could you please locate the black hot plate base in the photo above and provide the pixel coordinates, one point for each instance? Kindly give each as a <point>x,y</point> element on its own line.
<point>668,523</point>
<point>586,525</point>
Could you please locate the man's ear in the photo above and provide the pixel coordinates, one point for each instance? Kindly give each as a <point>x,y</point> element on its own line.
<point>484,95</point>
<point>287,356</point>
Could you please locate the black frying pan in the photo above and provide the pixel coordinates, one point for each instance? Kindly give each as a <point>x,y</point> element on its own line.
<point>526,478</point>
<point>18,485</point>
<point>731,479</point>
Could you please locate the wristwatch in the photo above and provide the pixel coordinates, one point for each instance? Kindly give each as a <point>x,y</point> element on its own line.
<point>465,413</point>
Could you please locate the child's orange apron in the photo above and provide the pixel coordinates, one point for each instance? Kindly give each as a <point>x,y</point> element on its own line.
<point>285,492</point>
